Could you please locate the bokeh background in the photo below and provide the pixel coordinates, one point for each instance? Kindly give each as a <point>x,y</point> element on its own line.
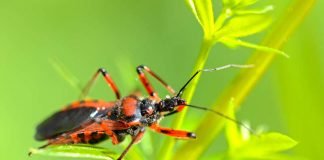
<point>164,35</point>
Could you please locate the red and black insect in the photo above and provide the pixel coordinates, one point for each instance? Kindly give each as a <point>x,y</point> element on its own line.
<point>92,121</point>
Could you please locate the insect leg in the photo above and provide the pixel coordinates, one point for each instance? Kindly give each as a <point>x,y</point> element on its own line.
<point>135,139</point>
<point>109,125</point>
<point>112,135</point>
<point>173,133</point>
<point>140,70</point>
<point>108,79</point>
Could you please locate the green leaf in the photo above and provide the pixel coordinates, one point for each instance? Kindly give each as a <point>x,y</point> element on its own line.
<point>264,10</point>
<point>230,3</point>
<point>281,157</point>
<point>238,3</point>
<point>232,42</point>
<point>203,11</point>
<point>76,151</point>
<point>245,3</point>
<point>263,145</point>
<point>241,26</point>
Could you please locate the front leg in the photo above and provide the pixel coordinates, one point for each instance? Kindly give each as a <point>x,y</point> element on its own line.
<point>173,133</point>
<point>140,71</point>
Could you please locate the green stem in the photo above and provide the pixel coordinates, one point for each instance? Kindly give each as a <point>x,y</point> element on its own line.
<point>245,81</point>
<point>168,145</point>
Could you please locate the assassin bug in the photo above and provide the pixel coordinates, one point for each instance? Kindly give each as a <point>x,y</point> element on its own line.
<point>92,121</point>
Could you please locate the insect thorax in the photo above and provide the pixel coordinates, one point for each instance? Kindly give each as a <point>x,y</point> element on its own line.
<point>149,112</point>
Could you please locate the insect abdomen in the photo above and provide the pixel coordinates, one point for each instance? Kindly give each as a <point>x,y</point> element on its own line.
<point>80,137</point>
<point>91,138</point>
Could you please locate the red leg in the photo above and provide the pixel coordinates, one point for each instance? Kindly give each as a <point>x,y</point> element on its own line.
<point>180,108</point>
<point>108,126</point>
<point>135,139</point>
<point>173,133</point>
<point>140,70</point>
<point>108,79</point>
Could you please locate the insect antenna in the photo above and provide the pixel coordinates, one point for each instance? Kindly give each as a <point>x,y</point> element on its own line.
<point>211,70</point>
<point>224,116</point>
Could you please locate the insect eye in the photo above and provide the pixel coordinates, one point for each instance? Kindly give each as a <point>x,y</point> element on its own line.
<point>149,110</point>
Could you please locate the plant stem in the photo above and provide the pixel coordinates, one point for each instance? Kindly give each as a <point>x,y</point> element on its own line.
<point>246,80</point>
<point>188,94</point>
<point>169,143</point>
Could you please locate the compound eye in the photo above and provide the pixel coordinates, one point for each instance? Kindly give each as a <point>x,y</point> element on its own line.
<point>149,110</point>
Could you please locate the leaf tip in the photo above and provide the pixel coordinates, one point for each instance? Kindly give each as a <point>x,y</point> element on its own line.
<point>286,55</point>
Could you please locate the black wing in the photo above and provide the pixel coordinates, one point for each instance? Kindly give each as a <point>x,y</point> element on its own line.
<point>67,120</point>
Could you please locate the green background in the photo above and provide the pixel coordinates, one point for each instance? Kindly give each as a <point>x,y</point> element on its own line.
<point>164,35</point>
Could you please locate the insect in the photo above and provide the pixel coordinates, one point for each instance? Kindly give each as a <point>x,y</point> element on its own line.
<point>92,121</point>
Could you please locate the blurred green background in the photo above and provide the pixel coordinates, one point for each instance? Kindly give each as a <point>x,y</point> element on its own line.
<point>164,35</point>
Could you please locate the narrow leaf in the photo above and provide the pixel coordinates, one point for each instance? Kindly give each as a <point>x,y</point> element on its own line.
<point>230,3</point>
<point>245,3</point>
<point>203,11</point>
<point>254,11</point>
<point>241,26</point>
<point>238,3</point>
<point>232,42</point>
<point>265,144</point>
<point>76,151</point>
